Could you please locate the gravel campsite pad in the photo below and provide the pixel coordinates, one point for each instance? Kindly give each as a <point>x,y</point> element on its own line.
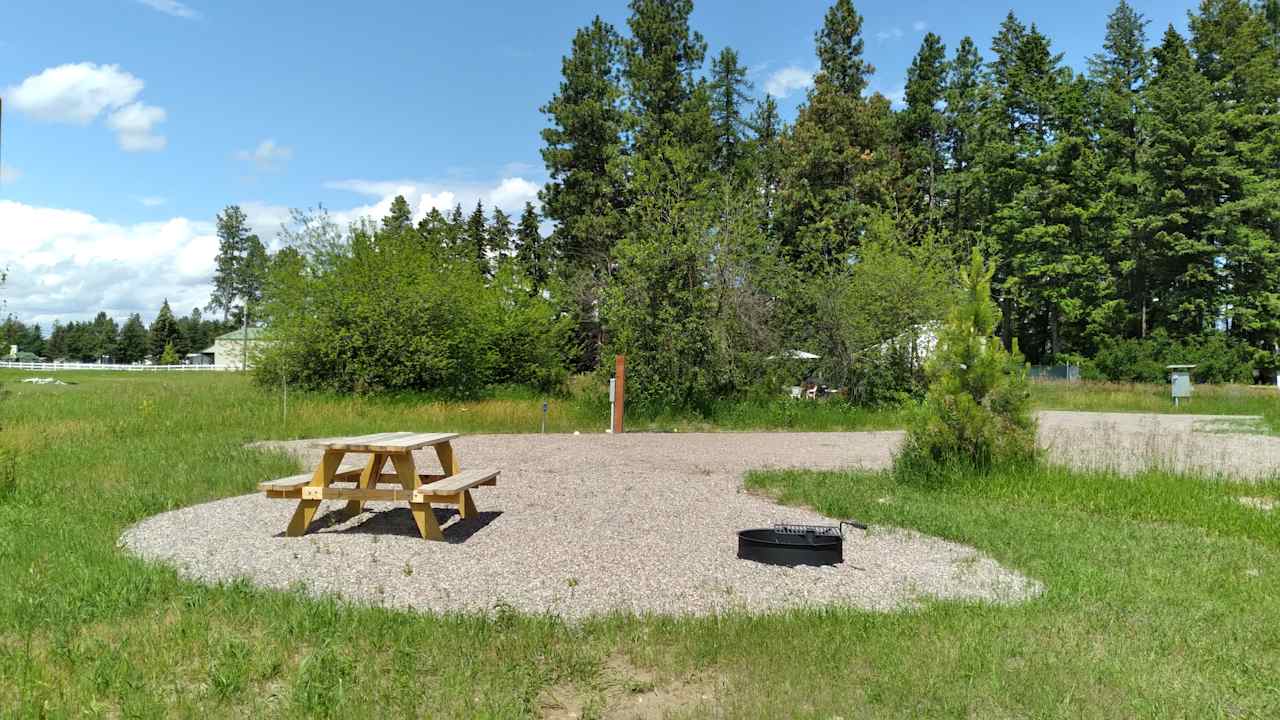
<point>590,524</point>
<point>584,525</point>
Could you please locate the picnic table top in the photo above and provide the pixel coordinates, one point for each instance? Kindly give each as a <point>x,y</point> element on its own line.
<point>391,442</point>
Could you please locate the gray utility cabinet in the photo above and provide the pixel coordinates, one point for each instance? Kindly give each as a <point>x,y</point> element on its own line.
<point>1180,379</point>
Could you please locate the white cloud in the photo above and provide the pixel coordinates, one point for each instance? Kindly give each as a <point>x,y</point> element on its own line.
<point>9,174</point>
<point>267,156</point>
<point>172,7</point>
<point>891,34</point>
<point>919,25</point>
<point>75,93</point>
<point>513,192</point>
<point>69,265</point>
<point>787,80</point>
<point>81,92</point>
<point>133,124</point>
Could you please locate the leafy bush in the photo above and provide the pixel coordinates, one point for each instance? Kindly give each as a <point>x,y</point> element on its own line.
<point>977,413</point>
<point>1218,358</point>
<point>391,313</point>
<point>870,317</point>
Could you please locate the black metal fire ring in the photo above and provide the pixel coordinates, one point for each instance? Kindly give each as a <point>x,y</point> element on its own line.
<point>792,545</point>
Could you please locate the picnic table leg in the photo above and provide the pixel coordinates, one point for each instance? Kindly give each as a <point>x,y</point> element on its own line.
<point>466,506</point>
<point>422,513</point>
<point>444,451</point>
<point>368,479</point>
<point>306,510</point>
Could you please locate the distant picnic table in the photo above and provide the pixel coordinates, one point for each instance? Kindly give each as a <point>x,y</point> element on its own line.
<point>361,477</point>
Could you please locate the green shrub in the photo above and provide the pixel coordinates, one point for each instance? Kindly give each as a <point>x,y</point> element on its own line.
<point>1218,358</point>
<point>391,314</point>
<point>977,414</point>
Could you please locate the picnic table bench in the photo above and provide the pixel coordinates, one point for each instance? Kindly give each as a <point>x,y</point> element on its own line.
<point>418,489</point>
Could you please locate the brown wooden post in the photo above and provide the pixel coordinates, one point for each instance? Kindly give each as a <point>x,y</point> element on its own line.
<point>620,373</point>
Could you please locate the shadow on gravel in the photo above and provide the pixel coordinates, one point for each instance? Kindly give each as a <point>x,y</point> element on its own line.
<point>399,521</point>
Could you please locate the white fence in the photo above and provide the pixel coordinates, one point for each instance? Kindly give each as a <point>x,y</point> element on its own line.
<point>54,367</point>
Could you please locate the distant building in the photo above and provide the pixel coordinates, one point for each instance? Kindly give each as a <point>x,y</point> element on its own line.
<point>229,350</point>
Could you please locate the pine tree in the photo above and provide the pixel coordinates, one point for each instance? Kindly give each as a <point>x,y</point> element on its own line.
<point>132,346</point>
<point>500,235</point>
<point>477,239</point>
<point>766,156</point>
<point>839,45</point>
<point>433,229</point>
<point>532,251</point>
<point>840,172</point>
<point>978,411</point>
<point>922,131</point>
<point>586,195</point>
<point>241,267</point>
<point>1235,49</point>
<point>399,217</point>
<point>729,92</point>
<point>168,355</point>
<point>104,334</point>
<point>964,98</point>
<point>1189,170</point>
<point>164,331</point>
<point>1120,74</point>
<point>663,56</point>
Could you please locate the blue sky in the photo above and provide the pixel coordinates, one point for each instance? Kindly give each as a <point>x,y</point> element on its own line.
<point>129,123</point>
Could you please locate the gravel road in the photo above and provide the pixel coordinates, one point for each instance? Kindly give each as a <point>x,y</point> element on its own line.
<point>645,523</point>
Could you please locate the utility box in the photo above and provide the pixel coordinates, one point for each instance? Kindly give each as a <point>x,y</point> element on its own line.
<point>1180,379</point>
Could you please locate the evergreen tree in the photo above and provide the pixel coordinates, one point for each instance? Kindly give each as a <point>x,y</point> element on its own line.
<point>233,279</point>
<point>477,239</point>
<point>663,57</point>
<point>964,99</point>
<point>103,336</point>
<point>729,92</point>
<point>839,45</point>
<point>169,356</point>
<point>1120,74</point>
<point>1235,50</point>
<point>978,411</point>
<point>433,229</point>
<point>658,306</point>
<point>767,156</point>
<point>1189,171</point>
<point>133,344</point>
<point>164,331</point>
<point>532,252</point>
<point>923,129</point>
<point>399,217</point>
<point>500,235</point>
<point>56,347</point>
<point>840,172</point>
<point>586,195</point>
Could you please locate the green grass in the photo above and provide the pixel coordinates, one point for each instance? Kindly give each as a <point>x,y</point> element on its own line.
<point>1151,398</point>
<point>1161,595</point>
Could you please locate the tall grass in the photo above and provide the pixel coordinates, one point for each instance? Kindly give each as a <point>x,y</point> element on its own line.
<point>1160,593</point>
<point>1152,398</point>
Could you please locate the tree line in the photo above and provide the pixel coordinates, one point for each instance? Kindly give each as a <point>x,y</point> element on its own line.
<point>1130,210</point>
<point>105,340</point>
<point>1135,199</point>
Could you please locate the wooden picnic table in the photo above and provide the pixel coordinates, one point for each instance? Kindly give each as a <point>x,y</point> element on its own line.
<point>418,489</point>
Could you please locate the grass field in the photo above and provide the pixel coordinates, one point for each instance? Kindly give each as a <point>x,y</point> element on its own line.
<point>1161,595</point>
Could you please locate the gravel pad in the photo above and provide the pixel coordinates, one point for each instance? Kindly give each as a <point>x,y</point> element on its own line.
<point>580,526</point>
